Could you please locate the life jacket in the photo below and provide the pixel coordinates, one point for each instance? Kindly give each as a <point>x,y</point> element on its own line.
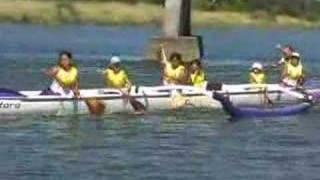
<point>257,78</point>
<point>294,72</point>
<point>116,80</point>
<point>198,78</point>
<point>173,76</point>
<point>67,78</point>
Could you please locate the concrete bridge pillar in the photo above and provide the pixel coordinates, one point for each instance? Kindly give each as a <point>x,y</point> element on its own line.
<point>177,35</point>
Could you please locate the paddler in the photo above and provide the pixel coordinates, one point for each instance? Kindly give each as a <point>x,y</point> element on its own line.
<point>257,78</point>
<point>115,76</point>
<point>198,78</point>
<point>174,71</point>
<point>287,52</point>
<point>257,75</point>
<point>197,74</point>
<point>293,74</point>
<point>65,76</point>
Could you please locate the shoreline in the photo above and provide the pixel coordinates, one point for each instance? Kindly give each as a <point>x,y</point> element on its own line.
<point>53,13</point>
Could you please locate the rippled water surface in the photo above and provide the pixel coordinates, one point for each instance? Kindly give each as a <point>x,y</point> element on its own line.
<point>196,144</point>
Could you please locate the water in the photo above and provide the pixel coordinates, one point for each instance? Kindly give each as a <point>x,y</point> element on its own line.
<point>164,145</point>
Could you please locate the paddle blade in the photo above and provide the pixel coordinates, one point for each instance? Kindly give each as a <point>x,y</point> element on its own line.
<point>137,105</point>
<point>95,106</point>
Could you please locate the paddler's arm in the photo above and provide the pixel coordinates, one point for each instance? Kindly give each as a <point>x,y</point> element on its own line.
<point>186,76</point>
<point>105,77</point>
<point>52,72</point>
<point>284,73</point>
<point>75,89</point>
<point>128,82</point>
<point>164,58</point>
<point>302,79</point>
<point>252,80</point>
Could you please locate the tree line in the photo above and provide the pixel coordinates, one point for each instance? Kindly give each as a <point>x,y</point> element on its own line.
<point>297,8</point>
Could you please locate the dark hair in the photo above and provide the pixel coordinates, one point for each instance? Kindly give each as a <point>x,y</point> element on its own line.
<point>197,62</point>
<point>67,53</point>
<point>177,56</point>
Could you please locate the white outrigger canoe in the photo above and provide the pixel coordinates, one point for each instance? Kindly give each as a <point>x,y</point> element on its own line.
<point>154,98</point>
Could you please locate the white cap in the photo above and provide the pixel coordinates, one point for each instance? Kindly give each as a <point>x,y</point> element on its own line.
<point>295,54</point>
<point>114,60</point>
<point>257,65</point>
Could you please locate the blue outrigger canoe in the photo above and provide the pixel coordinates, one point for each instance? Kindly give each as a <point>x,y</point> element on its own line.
<point>253,112</point>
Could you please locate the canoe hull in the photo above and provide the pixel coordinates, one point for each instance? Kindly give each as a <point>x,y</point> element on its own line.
<point>154,98</point>
<point>240,112</point>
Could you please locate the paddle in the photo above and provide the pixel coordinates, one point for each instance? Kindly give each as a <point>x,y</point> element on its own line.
<point>295,94</point>
<point>137,106</point>
<point>264,90</point>
<point>95,106</point>
<point>266,97</point>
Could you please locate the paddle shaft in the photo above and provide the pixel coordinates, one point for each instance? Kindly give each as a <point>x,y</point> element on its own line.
<point>295,94</point>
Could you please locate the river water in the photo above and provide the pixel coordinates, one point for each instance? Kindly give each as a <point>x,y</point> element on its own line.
<point>199,144</point>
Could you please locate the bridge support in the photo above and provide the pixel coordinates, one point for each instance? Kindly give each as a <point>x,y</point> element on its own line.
<point>177,36</point>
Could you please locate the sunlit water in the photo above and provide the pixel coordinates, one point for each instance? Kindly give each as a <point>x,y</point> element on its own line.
<point>197,144</point>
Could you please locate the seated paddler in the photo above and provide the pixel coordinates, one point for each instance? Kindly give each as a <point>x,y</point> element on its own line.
<point>65,76</point>
<point>257,75</point>
<point>197,74</point>
<point>293,74</point>
<point>173,71</point>
<point>115,76</point>
<point>198,78</point>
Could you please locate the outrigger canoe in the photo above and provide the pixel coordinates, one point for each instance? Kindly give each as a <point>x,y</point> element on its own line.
<point>154,98</point>
<point>260,111</point>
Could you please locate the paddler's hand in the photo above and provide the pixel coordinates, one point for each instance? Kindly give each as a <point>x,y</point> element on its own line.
<point>52,72</point>
<point>76,94</point>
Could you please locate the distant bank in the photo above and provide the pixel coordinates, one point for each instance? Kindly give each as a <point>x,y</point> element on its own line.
<point>114,13</point>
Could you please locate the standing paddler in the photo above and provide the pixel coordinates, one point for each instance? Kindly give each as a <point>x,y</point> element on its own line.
<point>116,77</point>
<point>65,76</point>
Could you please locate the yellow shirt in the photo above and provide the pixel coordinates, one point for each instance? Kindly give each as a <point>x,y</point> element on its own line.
<point>67,78</point>
<point>294,72</point>
<point>116,80</point>
<point>198,78</point>
<point>257,78</point>
<point>174,75</point>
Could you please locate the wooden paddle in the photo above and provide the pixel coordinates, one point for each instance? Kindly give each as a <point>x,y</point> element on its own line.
<point>264,90</point>
<point>267,98</point>
<point>96,107</point>
<point>298,94</point>
<point>137,106</point>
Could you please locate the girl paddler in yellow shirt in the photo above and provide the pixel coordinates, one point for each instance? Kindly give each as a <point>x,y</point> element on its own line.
<point>197,74</point>
<point>293,74</point>
<point>65,76</point>
<point>174,71</point>
<point>257,75</point>
<point>197,77</point>
<point>258,80</point>
<point>115,76</point>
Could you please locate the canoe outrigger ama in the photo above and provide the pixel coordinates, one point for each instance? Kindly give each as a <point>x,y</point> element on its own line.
<point>154,98</point>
